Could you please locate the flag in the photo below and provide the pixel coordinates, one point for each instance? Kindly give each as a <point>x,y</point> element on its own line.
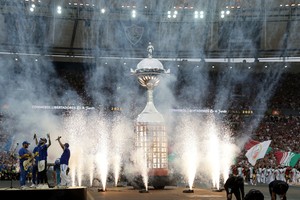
<point>250,143</point>
<point>257,151</point>
<point>287,158</point>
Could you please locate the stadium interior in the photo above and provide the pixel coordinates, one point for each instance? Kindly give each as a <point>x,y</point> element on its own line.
<point>239,56</point>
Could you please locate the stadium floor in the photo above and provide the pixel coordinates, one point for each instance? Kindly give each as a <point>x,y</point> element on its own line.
<point>169,193</point>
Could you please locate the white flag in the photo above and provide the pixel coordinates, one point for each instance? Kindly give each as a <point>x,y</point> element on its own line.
<point>257,151</point>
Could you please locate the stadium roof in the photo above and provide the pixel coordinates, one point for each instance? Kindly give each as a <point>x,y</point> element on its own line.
<point>82,30</point>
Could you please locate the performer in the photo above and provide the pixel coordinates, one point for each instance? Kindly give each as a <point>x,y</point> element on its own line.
<point>258,174</point>
<point>254,176</point>
<point>56,168</point>
<point>42,161</point>
<point>24,154</point>
<point>277,173</point>
<point>234,185</point>
<point>287,174</point>
<point>240,170</point>
<point>282,173</point>
<point>269,174</point>
<point>251,172</point>
<point>263,174</point>
<point>278,187</point>
<point>35,177</point>
<point>293,175</point>
<point>64,164</point>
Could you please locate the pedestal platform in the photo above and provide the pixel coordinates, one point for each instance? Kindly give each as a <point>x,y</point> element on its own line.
<point>71,193</point>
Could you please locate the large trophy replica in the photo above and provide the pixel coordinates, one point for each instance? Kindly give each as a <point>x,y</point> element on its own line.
<point>150,127</point>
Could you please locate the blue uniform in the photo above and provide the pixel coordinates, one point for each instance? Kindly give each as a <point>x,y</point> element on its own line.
<point>65,157</point>
<point>43,153</point>
<point>35,179</point>
<point>42,171</point>
<point>23,172</point>
<point>64,162</point>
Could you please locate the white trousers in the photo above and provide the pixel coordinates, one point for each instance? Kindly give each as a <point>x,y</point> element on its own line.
<point>64,178</point>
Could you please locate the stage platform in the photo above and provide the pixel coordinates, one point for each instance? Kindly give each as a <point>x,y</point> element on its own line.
<point>71,193</point>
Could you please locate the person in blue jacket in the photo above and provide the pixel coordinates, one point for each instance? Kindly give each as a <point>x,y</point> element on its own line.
<point>35,177</point>
<point>24,154</point>
<point>42,161</point>
<point>64,163</point>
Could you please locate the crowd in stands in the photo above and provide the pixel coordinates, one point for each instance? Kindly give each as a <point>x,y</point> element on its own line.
<point>287,94</point>
<point>8,166</point>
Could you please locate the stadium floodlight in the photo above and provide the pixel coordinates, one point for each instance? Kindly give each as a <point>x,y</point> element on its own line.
<point>59,9</point>
<point>169,14</point>
<point>222,14</point>
<point>172,14</point>
<point>32,7</point>
<point>198,14</point>
<point>133,13</point>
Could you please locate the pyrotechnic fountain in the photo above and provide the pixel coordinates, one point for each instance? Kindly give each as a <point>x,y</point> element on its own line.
<point>204,151</point>
<point>188,150</point>
<point>190,159</point>
<point>214,152</point>
<point>221,152</point>
<point>151,136</point>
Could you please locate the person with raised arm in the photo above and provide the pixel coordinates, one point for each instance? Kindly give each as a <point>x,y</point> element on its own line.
<point>64,164</point>
<point>35,177</point>
<point>42,161</point>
